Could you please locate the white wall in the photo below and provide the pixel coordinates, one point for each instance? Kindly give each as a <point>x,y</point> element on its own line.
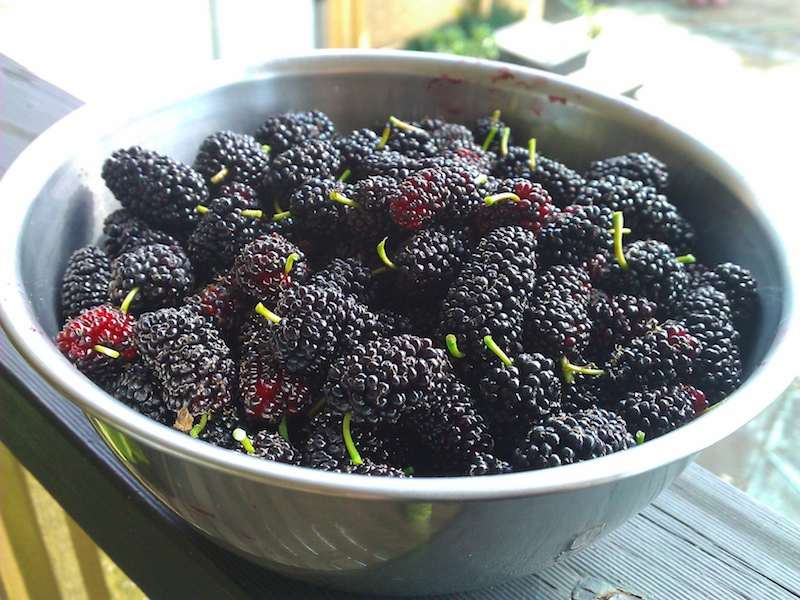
<point>88,46</point>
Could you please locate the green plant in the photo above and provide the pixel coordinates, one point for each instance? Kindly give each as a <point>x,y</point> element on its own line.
<point>471,35</point>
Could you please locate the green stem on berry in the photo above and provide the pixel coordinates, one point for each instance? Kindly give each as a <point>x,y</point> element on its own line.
<point>409,470</point>
<point>382,254</point>
<point>452,346</point>
<point>201,209</point>
<point>198,428</point>
<point>569,370</point>
<point>625,231</point>
<point>281,215</point>
<point>532,154</point>
<point>342,199</point>
<point>494,199</point>
<point>219,175</point>
<point>687,259</point>
<point>128,300</point>
<point>491,345</point>
<point>619,254</point>
<point>639,438</point>
<point>405,126</point>
<point>290,260</point>
<point>314,410</point>
<point>267,313</point>
<point>481,179</point>
<point>387,131</point>
<point>110,352</point>
<point>489,138</point>
<point>253,213</point>
<point>240,435</point>
<point>379,270</point>
<point>283,428</point>
<point>266,148</point>
<point>345,176</point>
<point>355,457</point>
<point>492,132</point>
<point>504,141</point>
<point>276,206</point>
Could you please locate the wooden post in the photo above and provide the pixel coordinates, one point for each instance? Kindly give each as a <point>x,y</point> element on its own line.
<point>12,585</point>
<point>88,556</point>
<point>358,24</point>
<point>23,532</point>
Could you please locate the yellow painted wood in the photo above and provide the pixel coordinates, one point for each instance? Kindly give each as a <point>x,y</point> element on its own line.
<point>12,585</point>
<point>53,525</point>
<point>23,531</point>
<point>392,22</point>
<point>82,571</point>
<point>381,23</point>
<point>88,557</point>
<point>337,23</point>
<point>360,37</point>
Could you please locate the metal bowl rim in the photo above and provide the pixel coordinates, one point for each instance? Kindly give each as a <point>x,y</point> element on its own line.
<point>37,163</point>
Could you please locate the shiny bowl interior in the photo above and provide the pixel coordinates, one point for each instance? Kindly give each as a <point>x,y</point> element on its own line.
<point>55,202</point>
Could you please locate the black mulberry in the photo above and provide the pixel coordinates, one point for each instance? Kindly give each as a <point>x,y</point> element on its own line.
<point>567,439</point>
<point>189,359</point>
<point>286,130</point>
<point>638,166</point>
<point>162,274</point>
<point>226,157</point>
<point>157,189</point>
<point>85,282</point>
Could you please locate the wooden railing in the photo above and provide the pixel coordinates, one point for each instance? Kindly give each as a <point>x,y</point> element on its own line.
<point>44,554</point>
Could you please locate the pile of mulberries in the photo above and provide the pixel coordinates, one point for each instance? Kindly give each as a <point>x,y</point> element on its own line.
<point>420,298</point>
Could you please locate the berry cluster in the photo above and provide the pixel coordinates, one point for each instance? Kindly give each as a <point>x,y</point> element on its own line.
<point>421,299</point>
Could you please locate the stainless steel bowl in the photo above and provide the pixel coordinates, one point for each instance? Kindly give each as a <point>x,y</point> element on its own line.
<point>355,532</point>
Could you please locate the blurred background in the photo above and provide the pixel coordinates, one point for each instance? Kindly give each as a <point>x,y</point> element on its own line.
<point>726,71</point>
